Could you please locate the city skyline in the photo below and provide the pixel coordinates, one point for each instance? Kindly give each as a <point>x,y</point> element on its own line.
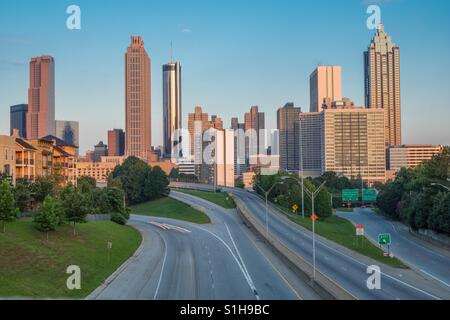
<point>74,97</point>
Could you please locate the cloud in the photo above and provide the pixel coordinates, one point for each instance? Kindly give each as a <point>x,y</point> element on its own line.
<point>186,30</point>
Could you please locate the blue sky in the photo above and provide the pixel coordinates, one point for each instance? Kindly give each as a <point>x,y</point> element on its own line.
<point>233,53</point>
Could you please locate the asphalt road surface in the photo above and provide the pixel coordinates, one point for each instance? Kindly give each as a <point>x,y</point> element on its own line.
<point>348,269</point>
<point>404,245</point>
<point>180,260</point>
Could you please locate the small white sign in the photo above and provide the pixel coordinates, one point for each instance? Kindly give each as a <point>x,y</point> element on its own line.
<point>360,231</point>
<point>109,245</point>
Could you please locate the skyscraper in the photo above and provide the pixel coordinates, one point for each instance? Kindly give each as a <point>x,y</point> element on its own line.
<point>68,131</point>
<point>116,142</point>
<point>255,120</point>
<point>382,83</point>
<point>287,116</point>
<point>324,83</point>
<point>138,131</point>
<point>41,98</point>
<point>239,146</point>
<point>171,104</point>
<point>18,119</point>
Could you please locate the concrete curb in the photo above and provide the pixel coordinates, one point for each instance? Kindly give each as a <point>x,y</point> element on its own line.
<point>94,294</point>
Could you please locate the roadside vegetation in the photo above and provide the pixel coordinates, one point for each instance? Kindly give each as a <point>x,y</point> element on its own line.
<point>34,265</point>
<point>418,196</point>
<point>222,199</point>
<point>170,208</point>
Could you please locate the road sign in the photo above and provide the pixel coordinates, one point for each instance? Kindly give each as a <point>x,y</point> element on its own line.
<point>360,230</point>
<point>109,245</point>
<point>384,239</point>
<point>314,217</point>
<point>369,195</point>
<point>350,195</point>
<point>294,208</point>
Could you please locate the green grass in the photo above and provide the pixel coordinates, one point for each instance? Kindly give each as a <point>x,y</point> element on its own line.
<point>343,232</point>
<point>32,266</point>
<point>220,198</point>
<point>170,208</point>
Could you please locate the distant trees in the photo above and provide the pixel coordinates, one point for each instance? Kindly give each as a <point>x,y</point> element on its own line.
<point>8,210</point>
<point>414,198</point>
<point>139,181</point>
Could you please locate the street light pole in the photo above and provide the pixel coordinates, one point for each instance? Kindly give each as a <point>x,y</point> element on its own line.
<point>301,166</point>
<point>266,193</point>
<point>440,185</point>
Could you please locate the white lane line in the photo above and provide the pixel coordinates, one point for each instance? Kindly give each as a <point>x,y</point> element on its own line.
<point>242,261</point>
<point>360,263</point>
<point>435,278</point>
<point>162,269</point>
<point>249,282</point>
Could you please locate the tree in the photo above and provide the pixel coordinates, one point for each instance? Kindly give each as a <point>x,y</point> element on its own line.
<point>76,205</point>
<point>48,216</point>
<point>439,218</point>
<point>388,199</point>
<point>44,186</point>
<point>8,210</point>
<point>139,181</point>
<point>86,184</point>
<point>22,194</point>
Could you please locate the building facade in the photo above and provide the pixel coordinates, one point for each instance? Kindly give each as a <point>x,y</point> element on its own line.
<point>172,115</point>
<point>287,116</point>
<point>309,135</point>
<point>68,131</point>
<point>8,157</point>
<point>138,131</point>
<point>382,83</point>
<point>324,83</point>
<point>100,150</point>
<point>116,142</point>
<point>353,142</point>
<point>41,98</point>
<point>410,155</point>
<point>18,119</point>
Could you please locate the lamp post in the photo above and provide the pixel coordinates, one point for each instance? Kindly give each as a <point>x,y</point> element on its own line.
<point>266,193</point>
<point>312,195</point>
<point>440,185</point>
<point>301,165</point>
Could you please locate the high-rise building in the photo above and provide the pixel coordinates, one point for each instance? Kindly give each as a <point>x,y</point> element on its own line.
<point>324,83</point>
<point>353,142</point>
<point>138,131</point>
<point>171,105</point>
<point>309,135</point>
<point>239,146</point>
<point>100,150</point>
<point>68,131</point>
<point>41,98</point>
<point>382,83</point>
<point>254,120</point>
<point>18,119</point>
<point>287,116</point>
<point>116,142</point>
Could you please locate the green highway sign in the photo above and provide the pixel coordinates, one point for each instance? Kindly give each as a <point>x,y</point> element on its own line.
<point>350,195</point>
<point>369,195</point>
<point>384,239</point>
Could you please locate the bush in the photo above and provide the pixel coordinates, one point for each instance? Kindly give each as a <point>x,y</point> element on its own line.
<point>118,218</point>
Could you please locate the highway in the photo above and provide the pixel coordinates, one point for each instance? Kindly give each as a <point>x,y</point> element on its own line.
<point>345,267</point>
<point>411,250</point>
<point>181,260</point>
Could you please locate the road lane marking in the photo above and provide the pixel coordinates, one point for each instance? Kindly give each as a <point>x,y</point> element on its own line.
<point>242,260</point>
<point>162,269</point>
<point>436,278</point>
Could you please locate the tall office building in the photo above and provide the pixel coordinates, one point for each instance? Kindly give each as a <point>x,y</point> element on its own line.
<point>116,142</point>
<point>41,98</point>
<point>138,130</point>
<point>68,131</point>
<point>308,135</point>
<point>353,142</point>
<point>100,150</point>
<point>171,105</point>
<point>289,149</point>
<point>382,83</point>
<point>255,120</point>
<point>324,83</point>
<point>18,119</point>
<point>239,146</point>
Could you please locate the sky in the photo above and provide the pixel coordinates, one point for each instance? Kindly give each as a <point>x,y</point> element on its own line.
<point>234,54</point>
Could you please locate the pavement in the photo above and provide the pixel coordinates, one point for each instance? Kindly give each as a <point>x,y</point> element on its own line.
<point>416,254</point>
<point>347,268</point>
<point>218,261</point>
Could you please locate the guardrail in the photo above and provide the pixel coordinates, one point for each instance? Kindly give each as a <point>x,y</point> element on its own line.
<point>322,281</point>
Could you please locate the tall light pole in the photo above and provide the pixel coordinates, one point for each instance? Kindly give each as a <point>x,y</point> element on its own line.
<point>312,195</point>
<point>267,195</point>
<point>440,185</point>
